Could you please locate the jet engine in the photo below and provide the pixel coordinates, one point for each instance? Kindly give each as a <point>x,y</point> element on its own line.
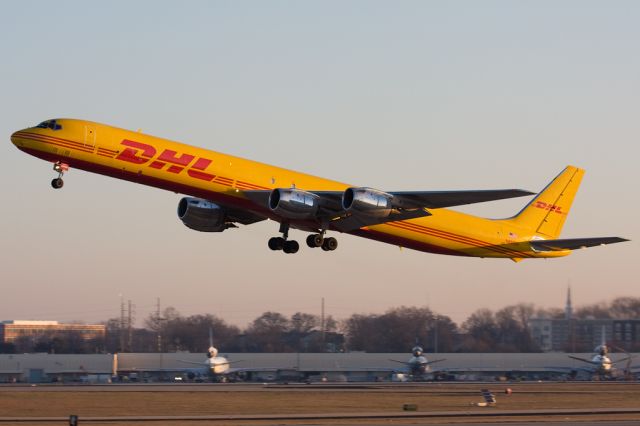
<point>202,215</point>
<point>367,202</point>
<point>294,203</point>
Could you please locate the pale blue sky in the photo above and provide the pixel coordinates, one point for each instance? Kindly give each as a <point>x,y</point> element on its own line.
<point>394,95</point>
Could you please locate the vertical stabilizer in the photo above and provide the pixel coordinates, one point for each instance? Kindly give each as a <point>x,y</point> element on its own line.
<point>546,213</point>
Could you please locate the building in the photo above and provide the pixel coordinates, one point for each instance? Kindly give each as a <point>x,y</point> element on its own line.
<point>13,330</point>
<point>284,367</point>
<point>626,332</point>
<point>48,368</point>
<point>569,334</point>
<point>573,335</point>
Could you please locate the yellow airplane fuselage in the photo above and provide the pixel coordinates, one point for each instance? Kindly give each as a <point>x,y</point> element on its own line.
<point>222,178</point>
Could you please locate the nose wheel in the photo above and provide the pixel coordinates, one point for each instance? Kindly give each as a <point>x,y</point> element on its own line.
<point>59,167</point>
<point>57,183</point>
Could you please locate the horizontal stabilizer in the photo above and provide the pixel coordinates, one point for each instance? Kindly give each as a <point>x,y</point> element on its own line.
<point>573,243</point>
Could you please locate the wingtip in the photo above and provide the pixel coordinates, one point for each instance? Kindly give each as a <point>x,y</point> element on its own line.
<point>618,240</point>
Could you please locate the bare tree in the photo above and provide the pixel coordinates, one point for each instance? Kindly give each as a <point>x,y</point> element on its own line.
<point>397,330</point>
<point>483,331</point>
<point>266,333</point>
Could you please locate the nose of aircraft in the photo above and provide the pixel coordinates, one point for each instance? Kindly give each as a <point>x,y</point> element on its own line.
<point>16,139</point>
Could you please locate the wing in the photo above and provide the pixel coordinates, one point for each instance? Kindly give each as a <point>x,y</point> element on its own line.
<point>622,359</point>
<point>205,365</point>
<point>573,243</point>
<point>256,370</point>
<point>202,370</point>
<point>566,370</point>
<point>406,204</point>
<point>201,363</point>
<point>440,199</point>
<point>584,360</point>
<point>436,360</point>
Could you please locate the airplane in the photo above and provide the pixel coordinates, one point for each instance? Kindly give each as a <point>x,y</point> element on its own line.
<point>215,367</point>
<point>418,366</point>
<point>601,365</point>
<point>224,191</point>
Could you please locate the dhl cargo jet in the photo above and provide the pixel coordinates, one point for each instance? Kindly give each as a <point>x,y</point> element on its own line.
<point>225,191</point>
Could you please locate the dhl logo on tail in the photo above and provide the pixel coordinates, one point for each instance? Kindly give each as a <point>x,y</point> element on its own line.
<point>550,207</point>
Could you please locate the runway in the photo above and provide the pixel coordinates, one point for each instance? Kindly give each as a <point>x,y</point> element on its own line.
<point>373,416</point>
<point>437,387</point>
<point>327,403</point>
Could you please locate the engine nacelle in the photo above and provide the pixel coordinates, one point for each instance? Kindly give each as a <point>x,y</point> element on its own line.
<point>367,201</point>
<point>294,203</point>
<point>202,215</point>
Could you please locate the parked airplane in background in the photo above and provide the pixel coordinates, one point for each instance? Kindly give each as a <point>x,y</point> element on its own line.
<point>231,190</point>
<point>215,368</point>
<point>601,365</point>
<point>418,366</point>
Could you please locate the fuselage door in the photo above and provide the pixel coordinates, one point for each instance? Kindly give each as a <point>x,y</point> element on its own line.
<point>89,135</point>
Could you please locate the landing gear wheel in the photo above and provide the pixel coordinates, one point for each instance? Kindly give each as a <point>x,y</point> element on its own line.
<point>59,168</point>
<point>315,240</point>
<point>57,183</point>
<point>276,243</point>
<point>330,244</point>
<point>282,243</point>
<point>291,247</point>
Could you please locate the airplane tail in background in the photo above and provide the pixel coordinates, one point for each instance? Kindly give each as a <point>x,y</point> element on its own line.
<point>546,213</point>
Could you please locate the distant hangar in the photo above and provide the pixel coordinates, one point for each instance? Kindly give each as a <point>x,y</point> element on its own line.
<point>353,366</point>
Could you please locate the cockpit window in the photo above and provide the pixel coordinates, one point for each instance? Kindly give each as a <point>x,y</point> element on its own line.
<point>49,124</point>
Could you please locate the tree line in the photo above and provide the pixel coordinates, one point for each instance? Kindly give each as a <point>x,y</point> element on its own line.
<point>396,330</point>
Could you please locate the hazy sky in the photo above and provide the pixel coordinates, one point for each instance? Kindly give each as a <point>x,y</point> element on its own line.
<point>396,95</point>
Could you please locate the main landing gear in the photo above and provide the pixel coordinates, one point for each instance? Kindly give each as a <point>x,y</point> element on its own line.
<point>281,243</point>
<point>291,246</point>
<point>318,240</point>
<point>59,167</point>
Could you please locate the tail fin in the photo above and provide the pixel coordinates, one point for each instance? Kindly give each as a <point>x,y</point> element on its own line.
<point>546,213</point>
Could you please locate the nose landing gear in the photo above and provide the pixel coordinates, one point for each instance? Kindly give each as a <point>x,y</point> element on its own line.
<point>59,167</point>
